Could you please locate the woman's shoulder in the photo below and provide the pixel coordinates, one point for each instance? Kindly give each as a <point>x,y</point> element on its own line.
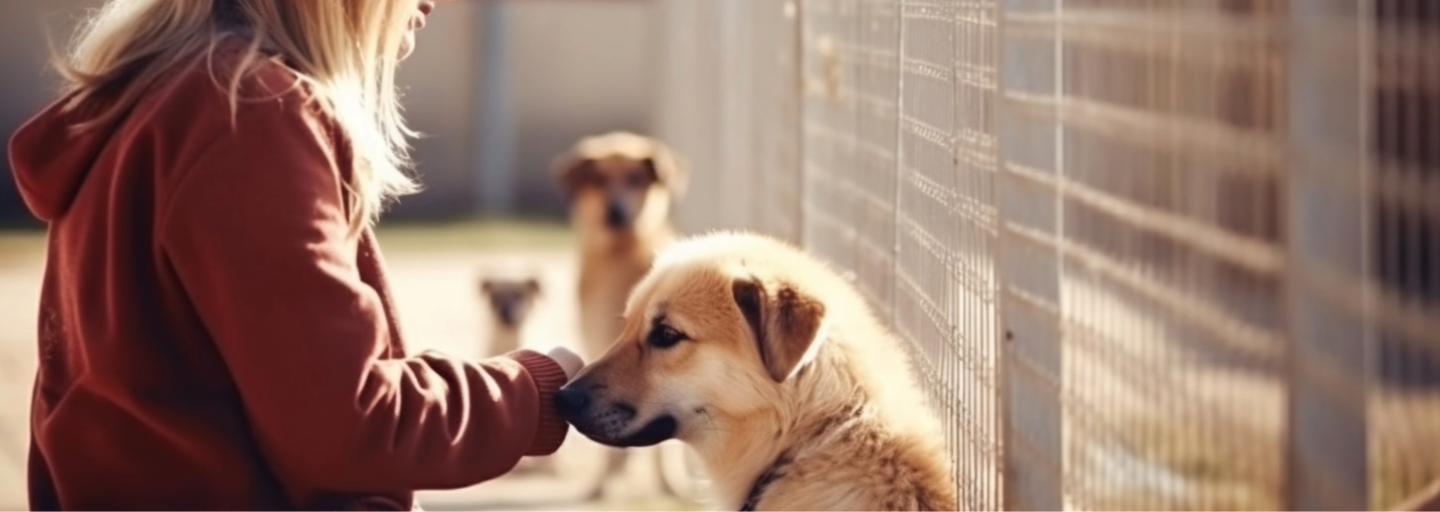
<point>204,103</point>
<point>225,85</point>
<point>201,110</point>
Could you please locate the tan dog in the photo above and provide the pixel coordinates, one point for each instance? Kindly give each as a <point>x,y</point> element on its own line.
<point>509,302</point>
<point>772,367</point>
<point>620,186</point>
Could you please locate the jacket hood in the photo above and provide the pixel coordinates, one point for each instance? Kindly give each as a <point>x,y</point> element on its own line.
<point>50,160</point>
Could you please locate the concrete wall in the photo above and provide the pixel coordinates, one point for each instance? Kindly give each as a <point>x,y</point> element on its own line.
<point>579,67</point>
<point>572,67</point>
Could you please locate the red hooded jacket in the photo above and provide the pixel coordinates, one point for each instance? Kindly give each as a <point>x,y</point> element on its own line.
<point>210,338</point>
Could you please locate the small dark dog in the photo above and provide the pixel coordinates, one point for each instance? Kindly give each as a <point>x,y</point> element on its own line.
<point>510,302</point>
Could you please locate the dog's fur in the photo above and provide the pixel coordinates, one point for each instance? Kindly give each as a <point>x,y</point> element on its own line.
<point>509,302</point>
<point>779,376</point>
<point>619,186</point>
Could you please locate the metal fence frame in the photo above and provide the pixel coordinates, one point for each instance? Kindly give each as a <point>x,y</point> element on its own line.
<point>1212,212</point>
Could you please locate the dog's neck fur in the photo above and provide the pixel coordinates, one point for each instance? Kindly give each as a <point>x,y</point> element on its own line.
<point>504,339</point>
<point>639,240</point>
<point>820,400</point>
<point>824,401</point>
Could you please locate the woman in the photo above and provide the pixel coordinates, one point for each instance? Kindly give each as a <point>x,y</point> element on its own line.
<point>215,327</point>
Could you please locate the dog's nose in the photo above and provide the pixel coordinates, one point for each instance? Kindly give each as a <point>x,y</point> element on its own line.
<point>615,215</point>
<point>507,315</point>
<point>571,403</point>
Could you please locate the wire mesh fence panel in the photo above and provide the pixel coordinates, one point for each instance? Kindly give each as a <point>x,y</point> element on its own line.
<point>1172,290</point>
<point>1149,254</point>
<point>849,127</point>
<point>1402,156</point>
<point>728,101</point>
<point>738,190</point>
<point>776,168</point>
<point>687,107</point>
<point>945,228</point>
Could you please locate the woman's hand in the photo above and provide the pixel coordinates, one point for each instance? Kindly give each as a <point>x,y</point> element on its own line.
<point>568,360</point>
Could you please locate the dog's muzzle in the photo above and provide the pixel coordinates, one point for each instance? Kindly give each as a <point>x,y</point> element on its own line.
<point>571,403</point>
<point>616,217</point>
<point>610,423</point>
<point>509,314</point>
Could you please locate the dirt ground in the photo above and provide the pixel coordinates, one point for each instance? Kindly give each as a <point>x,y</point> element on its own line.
<point>434,271</point>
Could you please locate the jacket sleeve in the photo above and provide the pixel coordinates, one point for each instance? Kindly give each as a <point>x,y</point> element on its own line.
<point>256,231</point>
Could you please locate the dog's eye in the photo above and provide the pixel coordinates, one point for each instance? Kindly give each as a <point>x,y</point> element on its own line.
<point>637,180</point>
<point>664,336</point>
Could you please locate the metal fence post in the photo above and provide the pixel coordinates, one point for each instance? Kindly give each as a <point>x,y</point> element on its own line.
<point>796,10</point>
<point>495,165</point>
<point>1029,263</point>
<point>1326,451</point>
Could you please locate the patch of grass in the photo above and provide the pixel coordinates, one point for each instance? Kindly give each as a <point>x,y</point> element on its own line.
<point>474,235</point>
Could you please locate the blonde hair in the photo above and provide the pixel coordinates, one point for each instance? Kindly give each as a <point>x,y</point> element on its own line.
<point>344,52</point>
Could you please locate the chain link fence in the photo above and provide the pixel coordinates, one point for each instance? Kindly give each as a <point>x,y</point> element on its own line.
<point>1149,254</point>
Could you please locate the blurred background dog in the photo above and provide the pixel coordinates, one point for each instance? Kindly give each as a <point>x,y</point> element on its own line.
<point>620,187</point>
<point>510,301</point>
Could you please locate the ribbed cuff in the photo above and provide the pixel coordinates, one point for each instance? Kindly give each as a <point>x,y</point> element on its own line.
<point>548,376</point>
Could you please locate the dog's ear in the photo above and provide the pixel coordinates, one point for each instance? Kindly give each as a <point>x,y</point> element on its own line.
<point>669,168</point>
<point>533,286</point>
<point>572,170</point>
<point>486,286</point>
<point>785,324</point>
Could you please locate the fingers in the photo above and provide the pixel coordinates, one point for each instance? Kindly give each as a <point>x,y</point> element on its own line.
<point>568,360</point>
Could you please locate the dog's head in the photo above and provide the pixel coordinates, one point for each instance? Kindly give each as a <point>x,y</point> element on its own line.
<point>620,181</point>
<point>709,343</point>
<point>510,300</point>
